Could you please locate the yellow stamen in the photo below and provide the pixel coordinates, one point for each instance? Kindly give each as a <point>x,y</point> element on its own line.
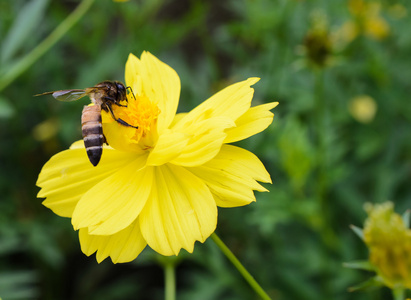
<point>140,112</point>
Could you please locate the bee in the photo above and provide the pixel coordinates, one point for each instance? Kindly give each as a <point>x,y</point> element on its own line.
<point>104,95</point>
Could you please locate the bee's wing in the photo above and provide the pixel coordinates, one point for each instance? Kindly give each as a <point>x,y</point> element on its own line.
<point>72,95</point>
<point>66,95</point>
<point>69,95</point>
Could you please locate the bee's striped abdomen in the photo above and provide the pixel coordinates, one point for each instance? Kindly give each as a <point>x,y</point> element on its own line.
<point>92,132</point>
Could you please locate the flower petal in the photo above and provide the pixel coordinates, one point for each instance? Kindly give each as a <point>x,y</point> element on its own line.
<point>180,211</point>
<point>161,85</point>
<point>132,74</point>
<point>255,120</point>
<point>123,246</point>
<point>77,145</point>
<point>177,119</point>
<point>231,102</point>
<point>168,146</point>
<point>69,174</point>
<point>231,176</point>
<point>114,203</point>
<point>206,139</point>
<point>120,137</point>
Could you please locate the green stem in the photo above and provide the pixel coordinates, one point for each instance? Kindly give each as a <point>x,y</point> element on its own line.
<point>398,294</point>
<point>243,271</point>
<point>321,131</point>
<point>25,63</point>
<point>170,280</point>
<point>322,128</point>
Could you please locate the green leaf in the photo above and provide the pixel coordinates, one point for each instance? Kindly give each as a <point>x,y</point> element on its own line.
<point>6,110</point>
<point>10,244</point>
<point>361,264</point>
<point>358,231</point>
<point>26,22</point>
<point>19,285</point>
<point>372,282</point>
<point>406,218</point>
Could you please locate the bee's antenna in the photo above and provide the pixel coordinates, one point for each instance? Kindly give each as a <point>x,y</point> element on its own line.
<point>129,87</point>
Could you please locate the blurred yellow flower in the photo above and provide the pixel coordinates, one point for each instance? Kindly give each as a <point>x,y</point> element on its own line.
<point>46,130</point>
<point>346,33</point>
<point>317,45</point>
<point>376,27</point>
<point>159,184</point>
<point>389,242</point>
<point>362,108</point>
<point>368,19</point>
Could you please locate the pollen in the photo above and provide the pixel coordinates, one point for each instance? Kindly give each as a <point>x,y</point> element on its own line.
<point>140,112</point>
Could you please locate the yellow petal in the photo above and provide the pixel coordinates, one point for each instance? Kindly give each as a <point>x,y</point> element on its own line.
<point>177,118</point>
<point>161,85</point>
<point>207,137</point>
<point>168,146</point>
<point>180,211</point>
<point>67,176</point>
<point>231,102</point>
<point>77,145</point>
<point>114,203</point>
<point>120,137</point>
<point>133,74</point>
<point>255,120</point>
<point>231,176</point>
<point>123,246</point>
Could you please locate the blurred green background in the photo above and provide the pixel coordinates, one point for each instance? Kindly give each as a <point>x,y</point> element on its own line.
<point>341,136</point>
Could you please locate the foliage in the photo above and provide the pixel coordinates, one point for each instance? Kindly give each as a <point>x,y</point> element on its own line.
<point>314,57</point>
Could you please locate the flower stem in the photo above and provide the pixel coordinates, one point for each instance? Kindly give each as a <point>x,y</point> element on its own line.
<point>321,131</point>
<point>25,63</point>
<point>170,280</point>
<point>398,294</point>
<point>243,271</point>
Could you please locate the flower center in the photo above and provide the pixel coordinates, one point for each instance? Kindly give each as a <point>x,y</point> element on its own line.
<point>140,112</point>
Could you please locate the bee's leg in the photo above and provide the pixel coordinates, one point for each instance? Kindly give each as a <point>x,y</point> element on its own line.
<point>105,140</point>
<point>121,105</point>
<point>112,100</point>
<point>120,121</point>
<point>131,90</point>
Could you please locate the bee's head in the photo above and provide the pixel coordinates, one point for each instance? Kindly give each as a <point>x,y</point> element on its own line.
<point>121,90</point>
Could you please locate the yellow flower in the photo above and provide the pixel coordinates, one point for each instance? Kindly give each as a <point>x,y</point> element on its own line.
<point>376,27</point>
<point>159,184</point>
<point>389,243</point>
<point>369,20</point>
<point>317,43</point>
<point>362,108</point>
<point>45,130</point>
<point>346,34</point>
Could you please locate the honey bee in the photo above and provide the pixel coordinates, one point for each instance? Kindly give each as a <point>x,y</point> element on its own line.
<point>103,95</point>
